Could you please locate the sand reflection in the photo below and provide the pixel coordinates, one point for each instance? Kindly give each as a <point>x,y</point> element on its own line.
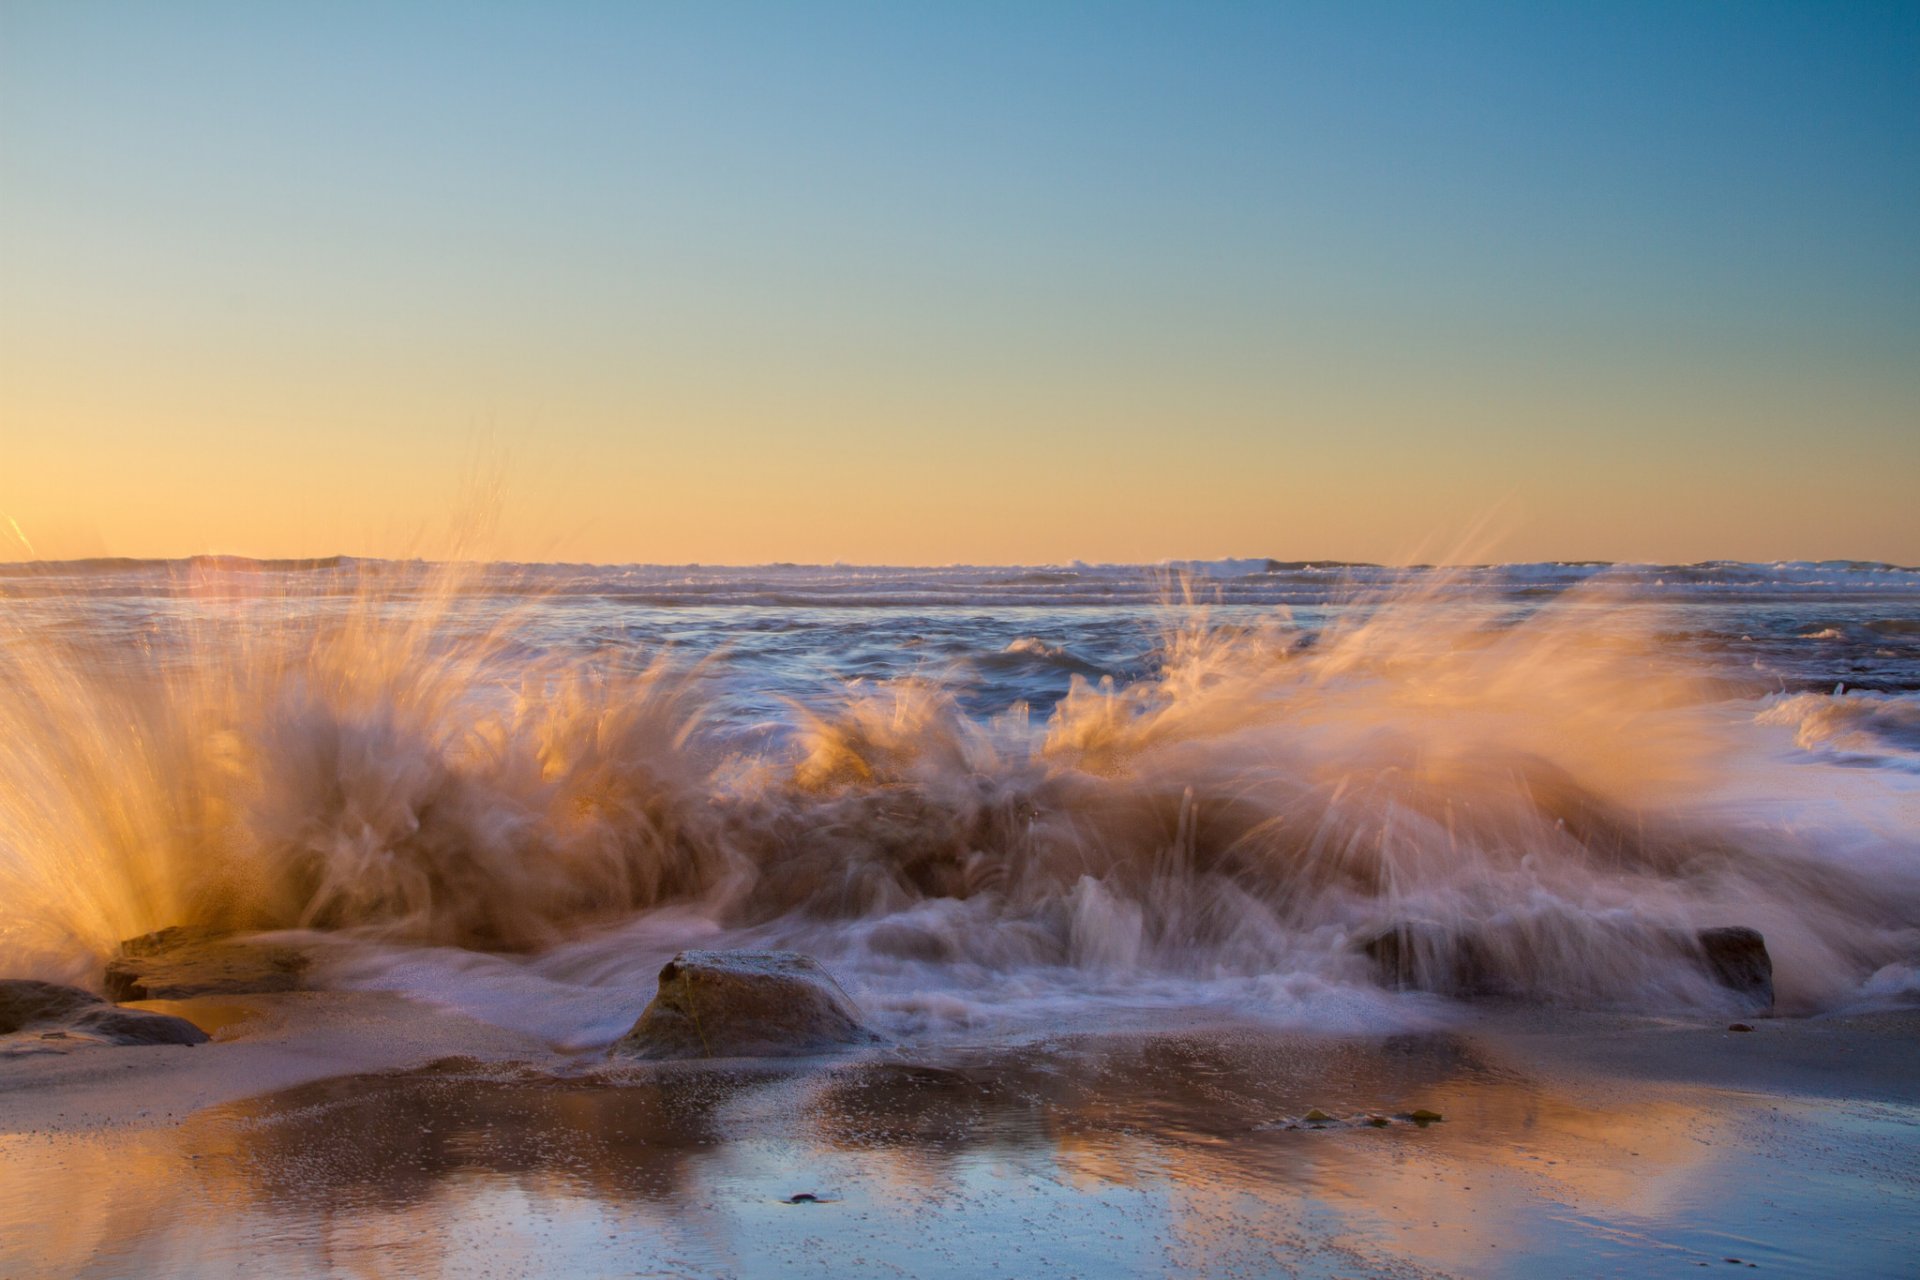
<point>1093,1156</point>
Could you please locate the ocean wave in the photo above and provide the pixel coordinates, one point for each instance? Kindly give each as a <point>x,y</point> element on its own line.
<point>1859,723</point>
<point>1253,806</point>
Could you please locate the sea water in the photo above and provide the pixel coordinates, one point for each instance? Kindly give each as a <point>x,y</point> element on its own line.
<point>992,800</point>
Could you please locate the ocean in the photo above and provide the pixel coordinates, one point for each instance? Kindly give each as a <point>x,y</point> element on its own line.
<point>994,801</point>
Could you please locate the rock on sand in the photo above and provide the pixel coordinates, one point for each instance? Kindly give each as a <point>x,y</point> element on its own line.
<point>744,1004</point>
<point>185,961</point>
<point>27,1005</point>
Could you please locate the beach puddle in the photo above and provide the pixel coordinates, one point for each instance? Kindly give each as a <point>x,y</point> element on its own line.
<point>220,1018</point>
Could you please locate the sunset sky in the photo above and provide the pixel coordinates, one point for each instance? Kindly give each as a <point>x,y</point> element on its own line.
<point>982,282</point>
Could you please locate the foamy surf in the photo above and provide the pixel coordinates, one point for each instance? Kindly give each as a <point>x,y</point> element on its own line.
<point>516,803</point>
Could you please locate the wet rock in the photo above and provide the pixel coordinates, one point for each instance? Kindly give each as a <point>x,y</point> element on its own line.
<point>184,961</point>
<point>61,1011</point>
<point>1737,959</point>
<point>137,1026</point>
<point>1453,961</point>
<point>744,1004</point>
<point>1418,955</point>
<point>25,1003</point>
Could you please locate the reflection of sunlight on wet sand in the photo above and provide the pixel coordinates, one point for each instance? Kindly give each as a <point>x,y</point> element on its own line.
<point>1473,1185</point>
<point>70,1204</point>
<point>1158,1156</point>
<point>1363,1191</point>
<point>146,1205</point>
<point>1228,1188</point>
<point>522,1226</point>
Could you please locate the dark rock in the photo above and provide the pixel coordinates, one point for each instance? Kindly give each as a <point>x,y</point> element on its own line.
<point>1423,956</point>
<point>1737,959</point>
<point>136,1026</point>
<point>744,1004</point>
<point>25,1003</point>
<point>184,961</point>
<point>1418,955</point>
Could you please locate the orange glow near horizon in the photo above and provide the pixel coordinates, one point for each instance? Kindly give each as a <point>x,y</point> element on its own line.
<point>924,288</point>
<point>1038,488</point>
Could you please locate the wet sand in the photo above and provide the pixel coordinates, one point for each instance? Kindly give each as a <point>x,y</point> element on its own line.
<point>362,1134</point>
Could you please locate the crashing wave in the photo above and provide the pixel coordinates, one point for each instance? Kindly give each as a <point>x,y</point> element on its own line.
<point>1253,807</point>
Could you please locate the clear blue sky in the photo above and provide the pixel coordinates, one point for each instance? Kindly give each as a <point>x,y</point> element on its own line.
<point>989,281</point>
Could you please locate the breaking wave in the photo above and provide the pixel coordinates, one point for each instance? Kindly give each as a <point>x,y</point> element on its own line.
<point>1557,787</point>
<point>1861,724</point>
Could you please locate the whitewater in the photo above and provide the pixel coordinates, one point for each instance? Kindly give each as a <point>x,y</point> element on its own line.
<point>993,800</point>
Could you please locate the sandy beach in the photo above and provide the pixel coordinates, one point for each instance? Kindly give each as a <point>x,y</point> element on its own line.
<point>362,1134</point>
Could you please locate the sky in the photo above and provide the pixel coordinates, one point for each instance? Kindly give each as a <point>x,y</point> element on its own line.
<point>978,282</point>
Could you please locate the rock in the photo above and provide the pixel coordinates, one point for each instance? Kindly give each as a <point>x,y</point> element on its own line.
<point>137,1026</point>
<point>184,961</point>
<point>1738,1026</point>
<point>1423,1117</point>
<point>25,1004</point>
<point>1421,956</point>
<point>1424,956</point>
<point>1737,959</point>
<point>744,1004</point>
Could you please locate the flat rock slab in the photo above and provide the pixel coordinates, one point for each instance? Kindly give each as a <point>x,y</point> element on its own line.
<point>54,1010</point>
<point>745,1004</point>
<point>185,961</point>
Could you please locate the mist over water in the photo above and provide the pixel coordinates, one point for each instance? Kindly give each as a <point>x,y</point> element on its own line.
<point>987,798</point>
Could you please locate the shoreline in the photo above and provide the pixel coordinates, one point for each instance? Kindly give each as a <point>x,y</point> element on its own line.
<point>1582,1142</point>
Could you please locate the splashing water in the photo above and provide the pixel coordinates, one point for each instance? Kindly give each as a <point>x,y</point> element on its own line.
<point>413,761</point>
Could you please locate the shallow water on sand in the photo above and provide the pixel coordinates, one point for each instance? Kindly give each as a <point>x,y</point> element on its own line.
<point>1177,1154</point>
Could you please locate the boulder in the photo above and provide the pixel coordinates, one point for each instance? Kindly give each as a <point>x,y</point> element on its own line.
<point>1418,955</point>
<point>184,961</point>
<point>1736,957</point>
<point>26,1005</point>
<point>1423,956</point>
<point>745,1004</point>
<point>136,1026</point>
